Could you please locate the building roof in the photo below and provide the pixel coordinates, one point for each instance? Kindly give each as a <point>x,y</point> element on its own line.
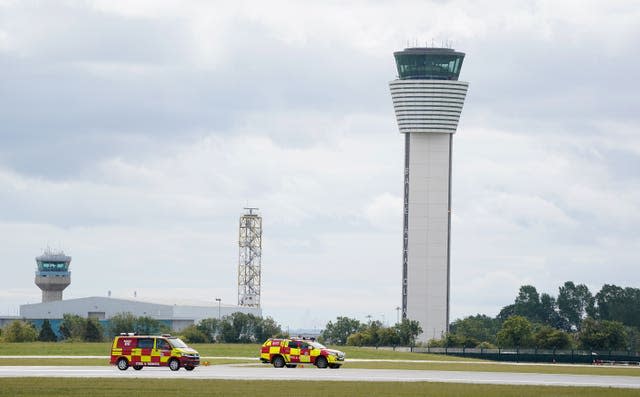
<point>104,307</point>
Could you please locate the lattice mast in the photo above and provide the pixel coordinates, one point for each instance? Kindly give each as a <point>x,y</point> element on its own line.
<point>250,258</point>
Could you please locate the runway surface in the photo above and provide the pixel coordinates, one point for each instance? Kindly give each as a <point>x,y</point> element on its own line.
<point>244,372</point>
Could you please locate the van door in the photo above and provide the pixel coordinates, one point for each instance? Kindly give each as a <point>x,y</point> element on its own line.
<point>162,352</point>
<point>294,351</point>
<point>145,347</point>
<point>305,352</point>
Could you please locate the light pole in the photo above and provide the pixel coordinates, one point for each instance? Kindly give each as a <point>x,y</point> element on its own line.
<point>398,314</point>
<point>218,300</point>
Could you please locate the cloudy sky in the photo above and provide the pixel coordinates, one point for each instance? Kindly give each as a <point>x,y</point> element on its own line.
<point>133,133</point>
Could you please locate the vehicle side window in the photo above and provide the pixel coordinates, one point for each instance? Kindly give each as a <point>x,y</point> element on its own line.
<point>294,344</point>
<point>145,343</point>
<point>162,344</point>
<point>304,346</point>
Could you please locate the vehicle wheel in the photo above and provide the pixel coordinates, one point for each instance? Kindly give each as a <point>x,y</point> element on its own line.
<point>334,366</point>
<point>122,364</point>
<point>189,367</point>
<point>321,362</point>
<point>278,361</point>
<point>137,367</point>
<point>174,364</point>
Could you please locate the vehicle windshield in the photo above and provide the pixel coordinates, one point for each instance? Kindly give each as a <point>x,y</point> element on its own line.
<point>178,343</point>
<point>317,345</point>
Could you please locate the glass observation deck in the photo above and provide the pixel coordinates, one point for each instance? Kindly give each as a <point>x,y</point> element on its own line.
<point>53,264</point>
<point>428,63</point>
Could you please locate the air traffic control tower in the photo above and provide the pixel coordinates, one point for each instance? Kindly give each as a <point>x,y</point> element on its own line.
<point>53,275</point>
<point>427,99</point>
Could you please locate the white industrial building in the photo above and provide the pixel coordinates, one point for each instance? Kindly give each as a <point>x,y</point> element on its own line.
<point>427,99</point>
<point>177,317</point>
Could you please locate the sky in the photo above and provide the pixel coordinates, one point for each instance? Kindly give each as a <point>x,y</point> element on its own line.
<point>133,134</point>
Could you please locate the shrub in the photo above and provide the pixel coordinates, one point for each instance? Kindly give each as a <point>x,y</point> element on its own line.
<point>20,331</point>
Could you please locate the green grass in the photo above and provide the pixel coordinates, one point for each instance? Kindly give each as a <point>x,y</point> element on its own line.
<point>205,349</point>
<point>55,349</point>
<point>251,350</point>
<point>104,349</point>
<point>53,361</point>
<point>484,367</point>
<point>373,353</point>
<point>95,361</point>
<point>71,387</point>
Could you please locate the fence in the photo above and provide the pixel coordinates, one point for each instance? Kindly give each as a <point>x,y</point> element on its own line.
<point>538,355</point>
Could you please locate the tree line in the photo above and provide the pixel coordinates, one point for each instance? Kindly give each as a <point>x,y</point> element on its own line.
<point>234,328</point>
<point>575,319</point>
<point>349,331</point>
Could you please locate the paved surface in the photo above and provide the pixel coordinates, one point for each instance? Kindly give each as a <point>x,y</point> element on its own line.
<point>244,372</point>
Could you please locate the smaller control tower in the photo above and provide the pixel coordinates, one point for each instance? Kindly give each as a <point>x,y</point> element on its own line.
<point>53,275</point>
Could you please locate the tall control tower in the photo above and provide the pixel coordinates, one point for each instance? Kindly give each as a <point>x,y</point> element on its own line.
<point>53,275</point>
<point>250,258</point>
<point>427,99</point>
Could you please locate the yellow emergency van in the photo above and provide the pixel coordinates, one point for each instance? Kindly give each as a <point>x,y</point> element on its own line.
<point>140,351</point>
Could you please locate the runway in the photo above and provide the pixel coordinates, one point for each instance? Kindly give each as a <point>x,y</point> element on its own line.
<point>244,372</point>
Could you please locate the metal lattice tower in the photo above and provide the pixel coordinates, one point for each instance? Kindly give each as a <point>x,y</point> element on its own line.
<point>249,264</point>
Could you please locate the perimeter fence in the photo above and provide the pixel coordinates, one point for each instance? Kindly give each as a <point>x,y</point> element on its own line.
<point>600,357</point>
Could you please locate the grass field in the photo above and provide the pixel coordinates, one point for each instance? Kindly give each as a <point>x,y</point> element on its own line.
<point>54,387</point>
<point>251,350</point>
<point>205,349</point>
<point>485,367</point>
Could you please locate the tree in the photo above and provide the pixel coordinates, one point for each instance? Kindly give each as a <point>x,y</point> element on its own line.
<point>408,331</point>
<point>549,314</point>
<point>227,333</point>
<point>506,312</point>
<point>602,335</point>
<point>618,304</point>
<point>388,336</point>
<point>516,331</point>
<point>145,325</point>
<point>193,334</point>
<point>122,323</point>
<point>93,331</point>
<point>574,303</point>
<point>339,332</point>
<point>547,337</point>
<point>375,334</point>
<point>20,331</point>
<point>73,327</point>
<point>210,327</point>
<point>610,300</point>
<point>527,303</point>
<point>268,328</point>
<point>479,327</point>
<point>46,332</point>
